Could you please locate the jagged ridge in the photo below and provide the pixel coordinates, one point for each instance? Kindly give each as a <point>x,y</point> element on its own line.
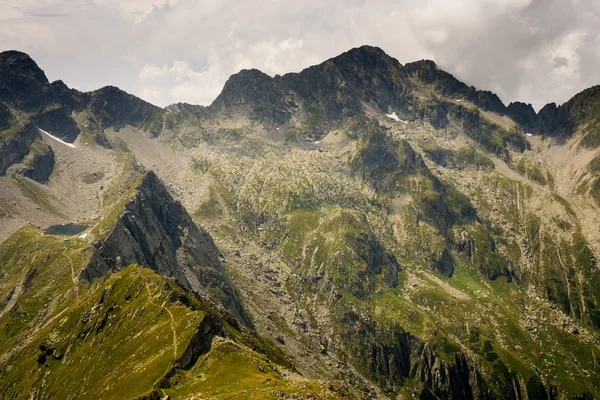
<point>155,231</point>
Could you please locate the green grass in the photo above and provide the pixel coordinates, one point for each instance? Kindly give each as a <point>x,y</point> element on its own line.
<point>231,371</point>
<point>52,107</point>
<point>115,338</point>
<point>299,224</point>
<point>533,170</point>
<point>11,133</point>
<point>461,158</point>
<point>122,188</point>
<point>114,332</point>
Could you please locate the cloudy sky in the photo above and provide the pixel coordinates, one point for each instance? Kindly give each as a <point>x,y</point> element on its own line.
<point>168,51</point>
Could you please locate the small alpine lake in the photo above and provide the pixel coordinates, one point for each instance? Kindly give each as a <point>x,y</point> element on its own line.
<point>65,229</point>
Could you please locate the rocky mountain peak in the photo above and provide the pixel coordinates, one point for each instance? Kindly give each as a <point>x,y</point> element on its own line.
<point>426,69</point>
<point>113,107</point>
<point>524,115</point>
<point>18,63</point>
<point>247,86</point>
<point>428,72</point>
<point>364,56</point>
<point>155,231</point>
<point>22,82</point>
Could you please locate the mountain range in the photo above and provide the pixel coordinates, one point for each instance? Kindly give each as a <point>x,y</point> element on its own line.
<point>360,229</point>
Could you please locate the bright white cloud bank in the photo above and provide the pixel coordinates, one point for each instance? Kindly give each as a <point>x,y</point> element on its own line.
<point>168,51</point>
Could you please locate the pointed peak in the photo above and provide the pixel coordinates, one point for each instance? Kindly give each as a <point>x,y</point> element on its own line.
<point>248,85</point>
<point>426,70</point>
<point>59,84</point>
<point>23,83</point>
<point>420,64</point>
<point>13,56</point>
<point>365,55</point>
<point>246,76</point>
<point>368,49</point>
<point>21,64</point>
<point>108,89</point>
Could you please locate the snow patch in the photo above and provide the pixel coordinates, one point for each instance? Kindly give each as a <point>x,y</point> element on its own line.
<point>71,145</point>
<point>395,118</point>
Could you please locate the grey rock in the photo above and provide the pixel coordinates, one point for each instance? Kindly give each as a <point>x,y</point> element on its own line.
<point>157,232</point>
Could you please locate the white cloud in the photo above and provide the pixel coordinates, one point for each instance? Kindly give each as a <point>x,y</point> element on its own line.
<point>137,11</point>
<point>184,50</point>
<point>179,82</point>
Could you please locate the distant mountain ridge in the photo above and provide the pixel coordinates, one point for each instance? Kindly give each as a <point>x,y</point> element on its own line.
<point>371,76</point>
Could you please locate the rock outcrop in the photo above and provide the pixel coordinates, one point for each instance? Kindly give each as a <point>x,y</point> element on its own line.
<point>15,146</point>
<point>390,356</point>
<point>23,152</point>
<point>156,231</point>
<point>38,164</point>
<point>524,115</point>
<point>23,83</point>
<point>113,108</point>
<point>442,82</point>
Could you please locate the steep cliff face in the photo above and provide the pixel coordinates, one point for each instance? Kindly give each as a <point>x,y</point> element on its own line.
<point>28,100</point>
<point>23,152</point>
<point>579,114</point>
<point>38,164</point>
<point>14,146</point>
<point>524,115</point>
<point>391,356</point>
<point>446,84</point>
<point>27,97</point>
<point>24,86</point>
<point>155,231</point>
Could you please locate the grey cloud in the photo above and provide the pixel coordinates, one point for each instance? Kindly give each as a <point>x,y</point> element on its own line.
<point>560,62</point>
<point>184,50</point>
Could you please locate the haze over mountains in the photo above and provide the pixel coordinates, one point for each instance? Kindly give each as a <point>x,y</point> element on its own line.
<point>361,229</point>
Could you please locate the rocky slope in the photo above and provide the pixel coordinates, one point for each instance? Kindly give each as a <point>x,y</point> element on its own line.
<point>381,227</point>
<point>155,231</point>
<point>28,101</point>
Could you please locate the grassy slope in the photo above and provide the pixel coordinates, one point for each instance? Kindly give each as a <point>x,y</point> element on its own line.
<point>115,339</point>
<point>233,371</point>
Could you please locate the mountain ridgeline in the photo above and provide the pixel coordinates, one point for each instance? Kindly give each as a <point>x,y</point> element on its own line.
<point>360,229</point>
